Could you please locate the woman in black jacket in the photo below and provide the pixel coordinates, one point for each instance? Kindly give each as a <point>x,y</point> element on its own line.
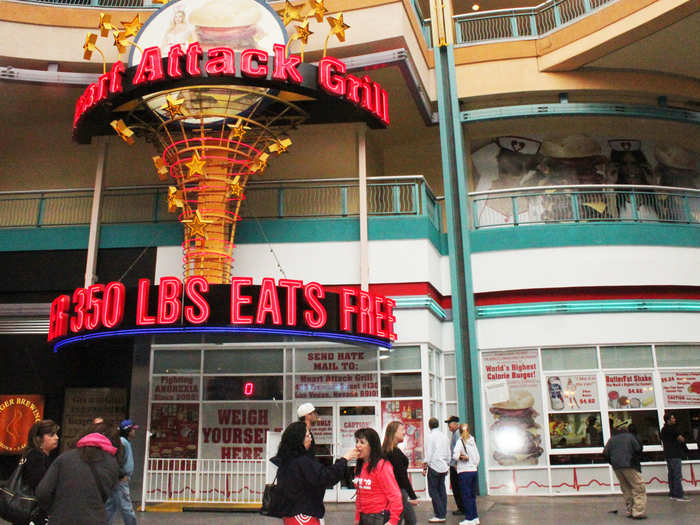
<point>303,479</point>
<point>394,435</point>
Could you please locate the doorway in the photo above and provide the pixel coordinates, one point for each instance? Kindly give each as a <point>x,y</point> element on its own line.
<point>334,435</point>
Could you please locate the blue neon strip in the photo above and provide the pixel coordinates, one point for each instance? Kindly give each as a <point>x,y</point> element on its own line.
<point>220,329</point>
<point>580,307</point>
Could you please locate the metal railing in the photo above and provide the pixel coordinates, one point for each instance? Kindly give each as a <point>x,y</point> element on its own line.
<point>240,481</point>
<point>521,23</point>
<point>585,203</point>
<point>403,195</point>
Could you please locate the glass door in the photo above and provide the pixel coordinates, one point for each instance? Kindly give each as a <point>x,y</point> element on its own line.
<point>350,418</point>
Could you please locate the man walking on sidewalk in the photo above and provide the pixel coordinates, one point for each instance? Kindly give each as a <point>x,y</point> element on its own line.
<point>624,452</point>
<point>674,450</point>
<point>435,466</point>
<point>453,425</point>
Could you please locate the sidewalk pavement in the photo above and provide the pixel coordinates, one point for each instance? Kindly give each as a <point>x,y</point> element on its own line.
<point>493,510</point>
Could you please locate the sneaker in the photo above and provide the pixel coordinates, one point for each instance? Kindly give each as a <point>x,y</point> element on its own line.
<point>435,519</point>
<point>682,499</point>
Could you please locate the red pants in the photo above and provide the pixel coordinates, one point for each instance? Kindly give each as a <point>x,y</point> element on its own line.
<point>301,519</point>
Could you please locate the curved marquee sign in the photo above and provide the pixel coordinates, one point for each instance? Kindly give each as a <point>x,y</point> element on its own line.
<point>284,307</point>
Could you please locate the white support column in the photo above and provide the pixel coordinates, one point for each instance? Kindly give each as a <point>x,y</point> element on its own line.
<point>95,215</point>
<point>362,175</point>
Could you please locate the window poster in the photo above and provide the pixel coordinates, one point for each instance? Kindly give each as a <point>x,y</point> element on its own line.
<point>17,415</point>
<point>681,388</point>
<point>515,425</point>
<point>627,391</point>
<point>83,405</point>
<point>237,431</point>
<point>336,385</point>
<point>410,413</point>
<point>572,392</point>
<point>174,430</point>
<point>175,388</point>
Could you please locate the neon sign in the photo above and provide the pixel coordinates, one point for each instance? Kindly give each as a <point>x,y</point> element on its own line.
<point>283,306</point>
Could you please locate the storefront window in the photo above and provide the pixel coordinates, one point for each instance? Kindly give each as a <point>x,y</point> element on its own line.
<point>410,413</point>
<point>450,389</point>
<point>678,355</point>
<point>630,391</point>
<point>576,459</point>
<point>311,386</point>
<point>243,361</point>
<point>581,429</point>
<point>450,364</point>
<point>626,357</point>
<point>643,423</point>
<point>174,429</point>
<point>240,388</point>
<point>176,362</point>
<point>400,358</point>
<point>569,358</point>
<point>335,360</point>
<point>401,385</point>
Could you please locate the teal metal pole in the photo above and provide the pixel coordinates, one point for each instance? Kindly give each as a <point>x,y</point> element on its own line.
<point>458,210</point>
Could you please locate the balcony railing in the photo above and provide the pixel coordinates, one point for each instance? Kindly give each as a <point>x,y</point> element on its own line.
<point>404,195</point>
<point>575,204</point>
<point>522,23</point>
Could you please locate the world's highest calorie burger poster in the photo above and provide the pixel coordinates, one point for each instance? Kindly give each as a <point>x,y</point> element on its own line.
<point>513,408</point>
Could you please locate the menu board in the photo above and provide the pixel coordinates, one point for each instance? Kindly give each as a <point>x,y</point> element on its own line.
<point>515,425</point>
<point>237,431</point>
<point>174,388</point>
<point>336,385</point>
<point>681,389</point>
<point>572,392</point>
<point>17,415</point>
<point>82,405</point>
<point>627,391</point>
<point>174,430</point>
<point>410,413</point>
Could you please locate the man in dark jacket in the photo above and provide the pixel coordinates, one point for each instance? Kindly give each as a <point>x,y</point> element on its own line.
<point>622,451</point>
<point>674,451</point>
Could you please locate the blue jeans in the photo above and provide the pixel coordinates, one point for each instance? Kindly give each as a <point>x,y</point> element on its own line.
<point>438,492</point>
<point>120,501</point>
<point>467,487</point>
<point>675,481</point>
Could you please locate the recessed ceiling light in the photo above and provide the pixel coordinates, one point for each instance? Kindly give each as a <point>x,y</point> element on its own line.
<point>475,7</point>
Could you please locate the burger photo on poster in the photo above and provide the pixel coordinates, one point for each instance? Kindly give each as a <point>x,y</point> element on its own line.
<point>515,436</point>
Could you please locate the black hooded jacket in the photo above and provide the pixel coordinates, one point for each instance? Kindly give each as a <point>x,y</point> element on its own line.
<point>304,481</point>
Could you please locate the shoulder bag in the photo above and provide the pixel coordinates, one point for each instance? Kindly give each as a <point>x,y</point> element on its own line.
<point>17,501</point>
<point>273,501</point>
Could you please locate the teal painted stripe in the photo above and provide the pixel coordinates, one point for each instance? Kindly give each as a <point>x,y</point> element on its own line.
<point>420,302</point>
<point>587,307</point>
<point>589,234</point>
<point>249,232</point>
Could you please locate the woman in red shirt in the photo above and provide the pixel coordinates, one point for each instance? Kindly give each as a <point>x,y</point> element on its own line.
<point>378,495</point>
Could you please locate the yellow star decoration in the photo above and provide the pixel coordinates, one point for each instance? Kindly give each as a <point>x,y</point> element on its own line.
<point>235,188</point>
<point>338,27</point>
<point>259,164</point>
<point>133,27</point>
<point>89,45</point>
<point>120,41</point>
<point>105,24</point>
<point>318,10</point>
<point>238,130</point>
<point>197,227</point>
<point>281,146</point>
<point>161,167</point>
<point>291,13</point>
<point>174,199</point>
<point>196,165</point>
<point>303,32</point>
<point>173,106</point>
<point>124,131</point>
<point>160,1</point>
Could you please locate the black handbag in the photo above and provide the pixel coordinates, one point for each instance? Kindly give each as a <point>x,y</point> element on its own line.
<point>273,500</point>
<point>17,501</point>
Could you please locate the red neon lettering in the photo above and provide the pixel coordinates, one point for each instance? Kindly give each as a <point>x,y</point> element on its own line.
<point>256,71</point>
<point>268,302</point>
<point>221,61</point>
<point>200,302</point>
<point>79,109</point>
<point>346,309</point>
<point>285,67</point>
<point>390,319</point>
<point>248,389</point>
<point>94,306</point>
<point>379,317</point>
<point>103,87</point>
<point>292,286</point>
<point>115,78</point>
<point>330,83</point>
<point>385,107</point>
<point>58,318</point>
<point>142,317</point>
<point>377,96</point>
<point>174,56</point>
<point>90,96</point>
<point>150,68</point>
<point>77,322</point>
<point>169,306</point>
<point>312,293</point>
<point>237,300</point>
<point>194,55</point>
<point>366,99</point>
<point>365,314</point>
<point>113,304</point>
<point>352,89</point>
